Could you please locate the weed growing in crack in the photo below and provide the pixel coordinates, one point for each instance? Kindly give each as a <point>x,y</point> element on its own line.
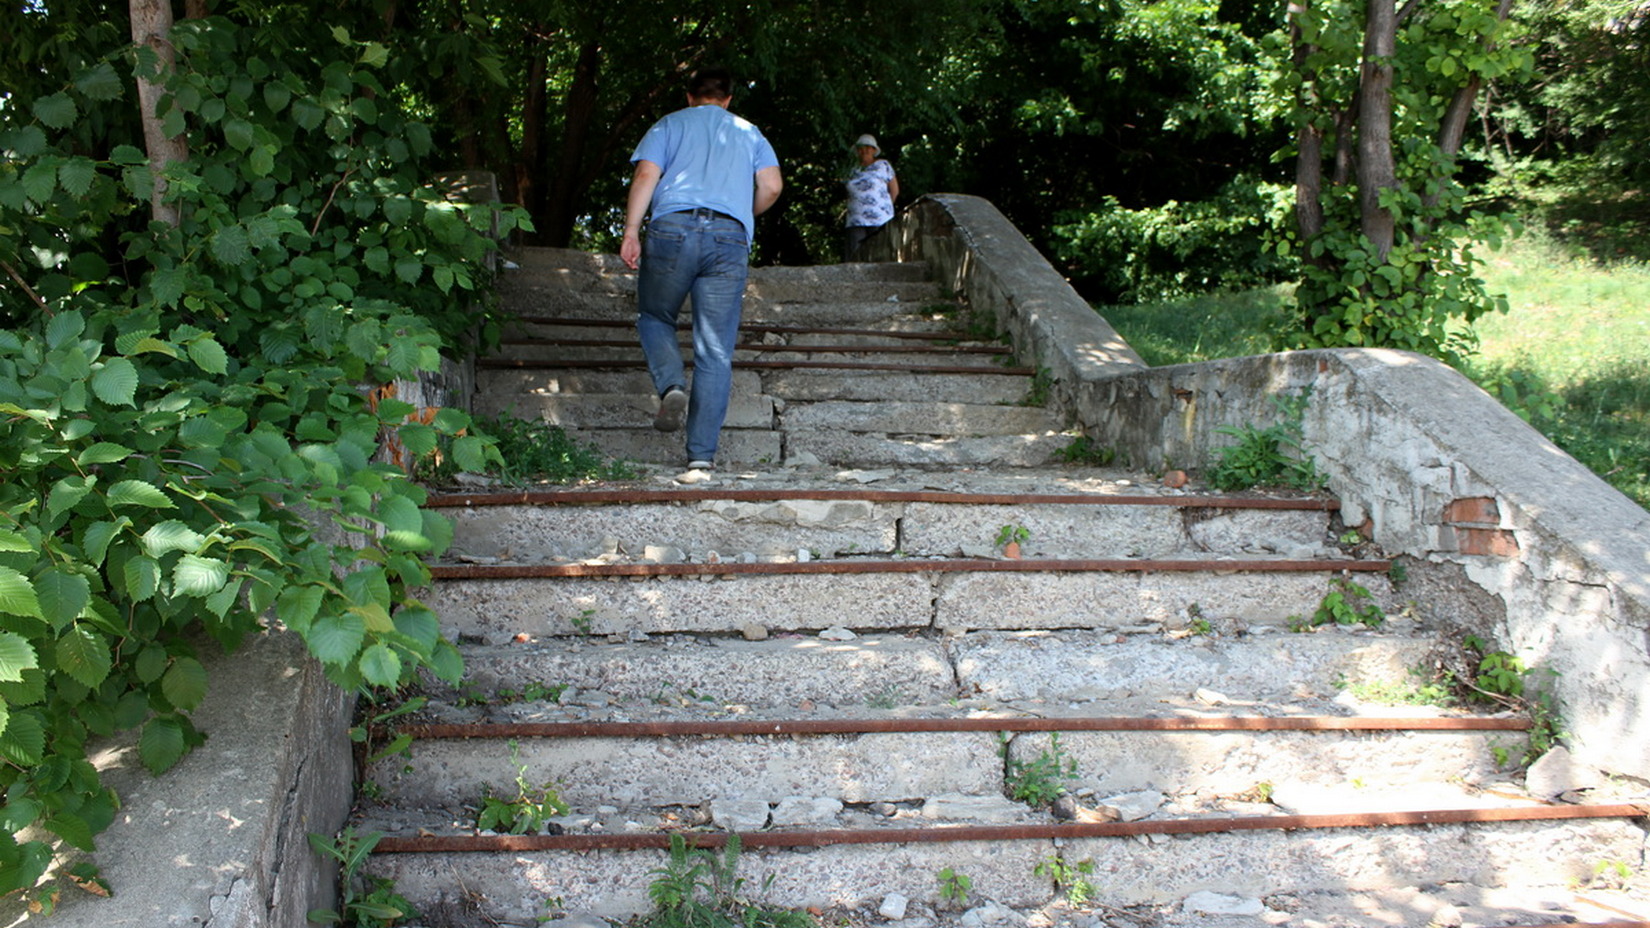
<point>1040,780</point>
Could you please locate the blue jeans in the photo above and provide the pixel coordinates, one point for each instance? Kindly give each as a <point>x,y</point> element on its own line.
<point>708,257</point>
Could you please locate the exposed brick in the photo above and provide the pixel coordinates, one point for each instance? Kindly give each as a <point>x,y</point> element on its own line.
<point>1491,542</point>
<point>1473,510</point>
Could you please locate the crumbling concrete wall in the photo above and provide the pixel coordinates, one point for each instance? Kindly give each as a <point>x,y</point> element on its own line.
<point>1424,461</point>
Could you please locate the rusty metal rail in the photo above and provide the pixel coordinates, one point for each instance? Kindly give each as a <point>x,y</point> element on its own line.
<point>824,837</point>
<point>516,364</point>
<point>738,727</point>
<point>761,348</point>
<point>603,495</point>
<point>756,327</point>
<point>896,566</point>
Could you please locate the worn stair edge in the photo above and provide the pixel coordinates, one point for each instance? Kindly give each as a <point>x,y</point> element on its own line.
<point>574,496</point>
<point>726,727</point>
<point>911,566</point>
<point>743,364</point>
<point>994,833</point>
<point>1128,871</point>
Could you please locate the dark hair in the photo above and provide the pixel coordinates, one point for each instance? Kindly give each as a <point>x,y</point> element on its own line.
<point>710,84</point>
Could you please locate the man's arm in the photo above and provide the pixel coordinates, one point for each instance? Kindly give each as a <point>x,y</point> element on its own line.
<point>642,184</point>
<point>768,186</point>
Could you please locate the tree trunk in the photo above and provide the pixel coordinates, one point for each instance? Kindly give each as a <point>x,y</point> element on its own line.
<point>1309,143</point>
<point>151,27</point>
<point>1377,171</point>
<point>566,183</point>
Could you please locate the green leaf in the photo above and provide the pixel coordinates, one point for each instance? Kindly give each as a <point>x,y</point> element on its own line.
<point>139,493</point>
<point>260,161</point>
<point>95,543</point>
<point>336,639</point>
<point>76,176</point>
<point>208,355</point>
<point>381,666</point>
<point>16,656</point>
<point>103,452</point>
<point>230,246</point>
<point>238,133</point>
<point>63,596</point>
<point>184,683</point>
<point>469,453</point>
<point>307,114</point>
<point>167,285</point>
<point>142,577</point>
<point>23,741</point>
<point>15,541</point>
<point>40,180</point>
<point>276,96</point>
<point>99,83</point>
<point>128,155</point>
<point>17,596</point>
<point>116,382</point>
<point>298,605</point>
<point>56,111</point>
<point>150,663</point>
<point>198,576</point>
<point>72,829</point>
<point>409,270</point>
<point>161,745</point>
<point>171,535</point>
<point>84,655</point>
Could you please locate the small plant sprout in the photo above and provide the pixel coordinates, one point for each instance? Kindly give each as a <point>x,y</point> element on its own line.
<point>1010,537</point>
<point>524,813</point>
<point>1072,878</point>
<point>364,901</point>
<point>1348,603</point>
<point>954,887</point>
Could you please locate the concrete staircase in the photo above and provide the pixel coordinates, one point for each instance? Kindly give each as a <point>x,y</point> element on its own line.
<point>821,647</point>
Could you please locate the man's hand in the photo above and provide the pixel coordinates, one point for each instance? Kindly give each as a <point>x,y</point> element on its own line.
<point>630,250</point>
<point>636,203</point>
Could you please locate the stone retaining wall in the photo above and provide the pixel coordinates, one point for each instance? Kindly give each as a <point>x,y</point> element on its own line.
<point>1427,463</point>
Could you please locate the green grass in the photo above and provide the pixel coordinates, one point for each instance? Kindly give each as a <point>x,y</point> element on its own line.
<point>1202,328</point>
<point>1570,357</point>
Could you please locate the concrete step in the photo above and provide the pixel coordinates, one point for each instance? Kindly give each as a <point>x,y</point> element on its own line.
<point>498,602</point>
<point>570,269</point>
<point>1299,772</point>
<point>832,521</point>
<point>1046,673</point>
<point>577,411</point>
<point>813,310</point>
<point>618,352</point>
<point>799,384</point>
<point>1127,870</point>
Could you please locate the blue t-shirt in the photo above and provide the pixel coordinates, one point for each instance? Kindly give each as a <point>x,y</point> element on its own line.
<point>708,158</point>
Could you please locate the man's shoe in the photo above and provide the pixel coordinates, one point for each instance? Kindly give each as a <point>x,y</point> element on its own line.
<point>701,465</point>
<point>671,408</point>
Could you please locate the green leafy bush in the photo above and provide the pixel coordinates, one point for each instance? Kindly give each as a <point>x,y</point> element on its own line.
<point>191,416</point>
<point>1178,249</point>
